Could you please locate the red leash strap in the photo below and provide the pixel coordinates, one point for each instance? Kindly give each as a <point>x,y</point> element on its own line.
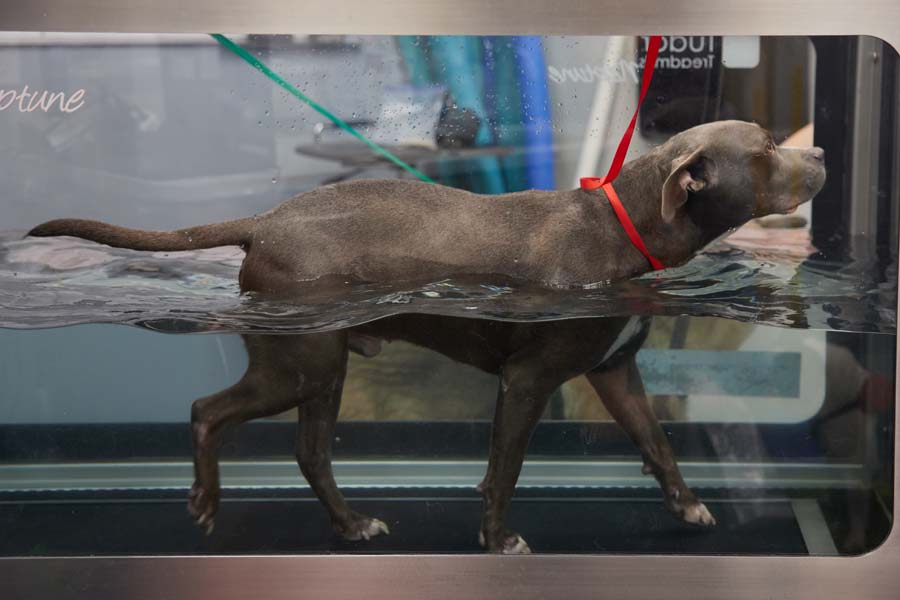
<point>628,226</point>
<point>592,183</point>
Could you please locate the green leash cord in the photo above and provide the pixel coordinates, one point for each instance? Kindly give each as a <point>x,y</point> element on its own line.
<point>255,62</point>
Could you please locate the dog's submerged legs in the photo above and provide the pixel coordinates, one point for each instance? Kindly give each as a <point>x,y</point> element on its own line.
<point>527,379</point>
<point>284,371</point>
<point>622,392</point>
<point>317,416</point>
<point>307,371</point>
<point>268,387</point>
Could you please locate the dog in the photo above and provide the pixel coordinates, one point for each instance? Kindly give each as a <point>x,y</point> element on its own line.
<point>698,186</point>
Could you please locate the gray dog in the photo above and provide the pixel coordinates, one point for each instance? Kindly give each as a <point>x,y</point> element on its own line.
<point>698,186</point>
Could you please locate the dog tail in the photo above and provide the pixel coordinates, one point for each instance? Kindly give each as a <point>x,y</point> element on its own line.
<point>229,233</point>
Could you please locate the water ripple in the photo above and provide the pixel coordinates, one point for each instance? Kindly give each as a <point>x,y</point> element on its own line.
<point>52,282</point>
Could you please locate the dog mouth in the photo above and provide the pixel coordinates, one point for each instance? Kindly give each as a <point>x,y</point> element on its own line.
<point>813,182</point>
<point>790,209</point>
<point>815,179</point>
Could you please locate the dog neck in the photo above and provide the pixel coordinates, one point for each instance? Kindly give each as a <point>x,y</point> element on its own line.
<point>639,187</point>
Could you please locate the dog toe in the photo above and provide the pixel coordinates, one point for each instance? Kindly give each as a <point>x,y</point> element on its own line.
<point>374,527</point>
<point>362,528</point>
<point>512,543</point>
<point>202,507</point>
<point>698,514</point>
<point>515,545</point>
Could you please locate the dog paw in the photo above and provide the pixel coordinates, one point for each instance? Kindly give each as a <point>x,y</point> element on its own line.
<point>512,543</point>
<point>202,506</point>
<point>361,528</point>
<point>686,506</point>
<point>698,514</point>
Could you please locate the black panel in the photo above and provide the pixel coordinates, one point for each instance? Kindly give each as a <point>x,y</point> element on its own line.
<point>358,439</point>
<point>833,119</point>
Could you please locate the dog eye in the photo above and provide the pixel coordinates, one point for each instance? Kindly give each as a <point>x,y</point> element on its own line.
<point>770,147</point>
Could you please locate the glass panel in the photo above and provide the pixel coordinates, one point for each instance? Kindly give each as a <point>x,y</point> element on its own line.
<point>752,381</point>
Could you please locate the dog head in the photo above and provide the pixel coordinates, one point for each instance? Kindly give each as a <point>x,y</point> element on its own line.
<point>725,173</point>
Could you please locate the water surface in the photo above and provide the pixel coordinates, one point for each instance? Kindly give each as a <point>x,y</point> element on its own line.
<point>762,276</point>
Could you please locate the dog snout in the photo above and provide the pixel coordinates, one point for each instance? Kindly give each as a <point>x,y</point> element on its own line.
<point>816,154</point>
<point>815,169</point>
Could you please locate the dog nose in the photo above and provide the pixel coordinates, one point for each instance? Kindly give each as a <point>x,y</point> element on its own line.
<point>817,154</point>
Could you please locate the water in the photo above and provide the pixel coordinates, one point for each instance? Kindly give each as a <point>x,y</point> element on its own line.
<point>761,276</point>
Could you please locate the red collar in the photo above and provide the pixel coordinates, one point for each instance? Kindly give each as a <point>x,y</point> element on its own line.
<point>592,183</point>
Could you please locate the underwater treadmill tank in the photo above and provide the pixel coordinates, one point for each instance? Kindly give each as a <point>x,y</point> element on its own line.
<point>361,370</point>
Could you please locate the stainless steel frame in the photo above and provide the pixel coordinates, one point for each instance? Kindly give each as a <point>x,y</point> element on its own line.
<point>872,576</point>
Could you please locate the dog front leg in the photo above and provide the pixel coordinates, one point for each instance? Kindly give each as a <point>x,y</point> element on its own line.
<point>622,392</point>
<point>526,382</point>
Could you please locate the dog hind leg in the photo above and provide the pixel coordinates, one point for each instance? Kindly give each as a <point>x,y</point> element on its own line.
<point>319,407</point>
<point>268,387</point>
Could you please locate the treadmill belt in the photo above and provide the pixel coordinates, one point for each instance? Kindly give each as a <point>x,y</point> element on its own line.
<point>421,521</point>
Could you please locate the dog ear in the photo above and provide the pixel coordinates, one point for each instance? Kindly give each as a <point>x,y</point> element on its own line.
<point>689,173</point>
